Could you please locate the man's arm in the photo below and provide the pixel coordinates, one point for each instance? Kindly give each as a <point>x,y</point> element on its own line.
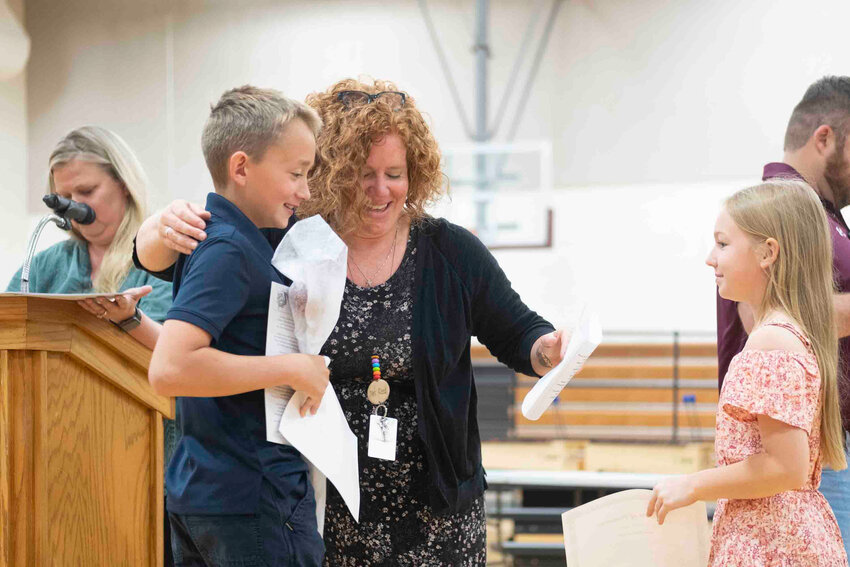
<point>175,230</point>
<point>184,364</point>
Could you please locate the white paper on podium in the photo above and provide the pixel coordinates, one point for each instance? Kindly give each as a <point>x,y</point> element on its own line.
<point>301,318</point>
<point>614,530</point>
<point>584,340</point>
<point>62,296</point>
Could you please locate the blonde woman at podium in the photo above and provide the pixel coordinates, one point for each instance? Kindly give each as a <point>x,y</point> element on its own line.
<point>94,166</point>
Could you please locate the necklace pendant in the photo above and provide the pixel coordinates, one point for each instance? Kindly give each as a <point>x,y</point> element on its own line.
<point>378,392</point>
<point>381,264</point>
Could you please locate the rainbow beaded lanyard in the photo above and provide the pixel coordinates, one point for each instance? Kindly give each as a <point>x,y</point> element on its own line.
<point>382,447</point>
<point>379,389</point>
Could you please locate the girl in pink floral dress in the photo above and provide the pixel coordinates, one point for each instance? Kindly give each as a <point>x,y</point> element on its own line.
<point>777,418</point>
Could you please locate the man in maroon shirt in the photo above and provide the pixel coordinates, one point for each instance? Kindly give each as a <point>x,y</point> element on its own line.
<point>816,151</point>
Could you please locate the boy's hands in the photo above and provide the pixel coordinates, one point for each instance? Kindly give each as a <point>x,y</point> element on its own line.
<point>311,376</point>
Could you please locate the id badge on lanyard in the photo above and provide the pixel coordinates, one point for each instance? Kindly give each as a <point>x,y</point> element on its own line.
<point>383,430</point>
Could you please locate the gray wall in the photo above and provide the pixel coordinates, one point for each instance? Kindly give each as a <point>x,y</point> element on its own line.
<point>660,107</point>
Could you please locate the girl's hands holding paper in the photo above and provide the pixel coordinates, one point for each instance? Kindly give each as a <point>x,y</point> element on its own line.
<point>669,494</point>
<point>548,351</point>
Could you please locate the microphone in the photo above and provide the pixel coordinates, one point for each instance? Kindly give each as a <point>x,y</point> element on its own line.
<point>68,209</point>
<point>64,211</point>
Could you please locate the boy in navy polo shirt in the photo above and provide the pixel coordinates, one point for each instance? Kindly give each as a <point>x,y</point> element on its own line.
<point>233,497</point>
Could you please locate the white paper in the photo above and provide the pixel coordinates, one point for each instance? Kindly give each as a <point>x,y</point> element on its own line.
<point>62,296</point>
<point>584,340</point>
<point>328,443</point>
<point>280,339</point>
<point>614,530</point>
<point>382,440</point>
<point>315,259</point>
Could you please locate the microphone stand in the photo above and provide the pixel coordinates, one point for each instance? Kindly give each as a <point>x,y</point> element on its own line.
<point>62,223</point>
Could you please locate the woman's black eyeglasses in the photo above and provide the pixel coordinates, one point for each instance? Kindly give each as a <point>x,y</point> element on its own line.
<point>351,99</point>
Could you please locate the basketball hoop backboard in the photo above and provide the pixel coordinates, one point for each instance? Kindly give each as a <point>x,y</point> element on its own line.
<point>501,192</point>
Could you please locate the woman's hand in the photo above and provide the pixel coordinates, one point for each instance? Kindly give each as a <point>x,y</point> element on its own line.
<point>671,493</point>
<point>181,225</point>
<point>118,308</point>
<point>549,350</point>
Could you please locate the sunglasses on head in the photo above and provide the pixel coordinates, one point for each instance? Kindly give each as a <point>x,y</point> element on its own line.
<point>350,99</point>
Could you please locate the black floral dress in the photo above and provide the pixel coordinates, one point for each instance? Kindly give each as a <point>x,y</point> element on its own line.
<point>397,526</point>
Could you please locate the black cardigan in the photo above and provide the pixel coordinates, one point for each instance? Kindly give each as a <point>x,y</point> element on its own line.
<point>460,292</point>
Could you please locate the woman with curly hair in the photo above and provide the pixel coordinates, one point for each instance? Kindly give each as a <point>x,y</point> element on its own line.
<point>418,288</point>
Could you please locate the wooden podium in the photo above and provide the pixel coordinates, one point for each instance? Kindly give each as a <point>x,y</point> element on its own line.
<point>81,440</point>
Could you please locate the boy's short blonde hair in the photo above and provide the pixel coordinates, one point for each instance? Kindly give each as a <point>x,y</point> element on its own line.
<point>249,119</point>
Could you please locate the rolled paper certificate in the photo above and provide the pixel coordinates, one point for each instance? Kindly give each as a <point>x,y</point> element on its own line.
<point>586,337</point>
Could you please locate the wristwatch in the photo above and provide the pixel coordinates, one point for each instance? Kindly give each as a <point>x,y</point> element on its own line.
<point>131,322</point>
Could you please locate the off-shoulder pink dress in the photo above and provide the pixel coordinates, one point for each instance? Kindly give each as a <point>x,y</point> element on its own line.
<point>794,528</point>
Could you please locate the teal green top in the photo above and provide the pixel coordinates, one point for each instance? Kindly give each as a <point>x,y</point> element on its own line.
<point>65,268</point>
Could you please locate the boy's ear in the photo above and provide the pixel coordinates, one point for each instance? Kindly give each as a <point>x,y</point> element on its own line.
<point>768,253</point>
<point>237,168</point>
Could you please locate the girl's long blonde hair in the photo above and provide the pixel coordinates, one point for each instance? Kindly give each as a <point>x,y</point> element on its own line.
<point>105,148</point>
<point>800,282</point>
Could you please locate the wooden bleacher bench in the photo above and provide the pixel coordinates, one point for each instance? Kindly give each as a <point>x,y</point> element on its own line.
<point>536,550</point>
<point>625,392</point>
<point>538,514</point>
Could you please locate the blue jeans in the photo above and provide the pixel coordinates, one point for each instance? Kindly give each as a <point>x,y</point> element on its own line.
<point>273,537</point>
<point>835,486</point>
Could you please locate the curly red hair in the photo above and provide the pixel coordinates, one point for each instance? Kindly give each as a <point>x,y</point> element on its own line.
<point>343,147</point>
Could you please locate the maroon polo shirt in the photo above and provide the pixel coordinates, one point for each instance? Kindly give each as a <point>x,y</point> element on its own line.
<point>731,336</point>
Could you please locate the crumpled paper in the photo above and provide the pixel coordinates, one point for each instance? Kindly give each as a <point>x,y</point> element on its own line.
<point>314,257</point>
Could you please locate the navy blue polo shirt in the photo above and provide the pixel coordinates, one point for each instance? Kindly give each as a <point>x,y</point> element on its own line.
<point>223,288</point>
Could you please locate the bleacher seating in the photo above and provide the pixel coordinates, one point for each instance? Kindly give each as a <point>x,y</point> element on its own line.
<point>625,392</point>
<point>632,394</point>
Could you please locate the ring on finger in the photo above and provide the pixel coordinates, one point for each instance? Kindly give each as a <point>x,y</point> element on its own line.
<point>168,231</point>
